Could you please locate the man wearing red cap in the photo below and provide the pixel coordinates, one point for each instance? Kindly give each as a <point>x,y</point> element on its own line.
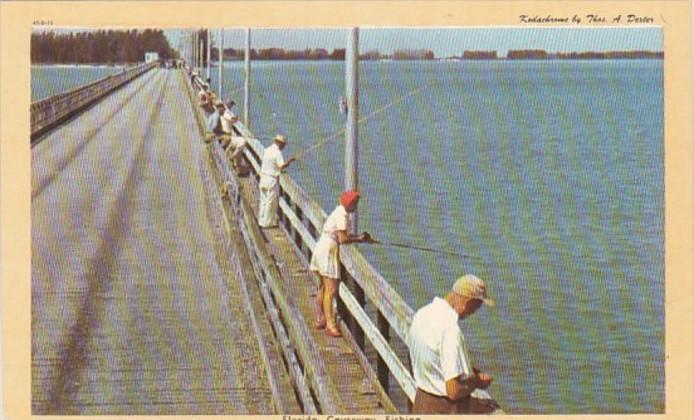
<point>326,261</point>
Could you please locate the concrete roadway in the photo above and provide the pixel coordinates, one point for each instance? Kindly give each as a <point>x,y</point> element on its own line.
<point>134,310</point>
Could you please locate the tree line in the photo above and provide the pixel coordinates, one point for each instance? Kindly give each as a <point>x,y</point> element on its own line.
<point>103,46</point>
<point>281,54</point>
<point>544,55</point>
<point>318,54</point>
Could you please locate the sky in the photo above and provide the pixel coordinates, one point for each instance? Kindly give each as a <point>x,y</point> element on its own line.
<point>449,41</point>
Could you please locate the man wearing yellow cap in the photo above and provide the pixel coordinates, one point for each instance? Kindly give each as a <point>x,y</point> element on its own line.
<point>441,365</point>
<point>273,163</point>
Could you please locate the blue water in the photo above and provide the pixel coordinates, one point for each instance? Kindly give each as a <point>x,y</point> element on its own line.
<point>549,172</point>
<point>50,80</point>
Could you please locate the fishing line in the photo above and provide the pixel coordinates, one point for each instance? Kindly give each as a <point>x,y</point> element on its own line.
<point>376,112</point>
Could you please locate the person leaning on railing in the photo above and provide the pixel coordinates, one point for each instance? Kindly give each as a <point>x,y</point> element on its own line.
<point>205,99</point>
<point>214,123</point>
<point>326,260</point>
<point>441,366</point>
<point>228,121</point>
<point>233,145</point>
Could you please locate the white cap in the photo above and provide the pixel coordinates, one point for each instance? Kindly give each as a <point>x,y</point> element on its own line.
<point>472,287</point>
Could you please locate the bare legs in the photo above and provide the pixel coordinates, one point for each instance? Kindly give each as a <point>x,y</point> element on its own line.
<point>324,305</point>
<point>320,312</point>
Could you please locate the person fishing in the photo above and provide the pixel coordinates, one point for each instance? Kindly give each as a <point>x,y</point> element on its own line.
<point>227,119</point>
<point>326,261</point>
<point>272,165</point>
<point>441,365</point>
<point>232,141</point>
<point>214,129</point>
<point>205,99</point>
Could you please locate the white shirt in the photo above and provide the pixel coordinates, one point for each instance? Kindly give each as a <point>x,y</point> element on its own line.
<point>437,347</point>
<point>272,160</point>
<point>337,220</point>
<point>226,121</point>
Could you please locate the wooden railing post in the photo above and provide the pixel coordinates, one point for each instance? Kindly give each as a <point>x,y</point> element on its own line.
<point>314,234</point>
<point>297,236</point>
<point>341,308</point>
<point>410,403</point>
<point>381,367</point>
<point>358,293</point>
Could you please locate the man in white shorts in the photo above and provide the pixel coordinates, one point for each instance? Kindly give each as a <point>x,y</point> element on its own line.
<point>272,165</point>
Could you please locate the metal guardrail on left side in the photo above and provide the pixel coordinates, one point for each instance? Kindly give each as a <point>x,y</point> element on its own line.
<point>46,113</point>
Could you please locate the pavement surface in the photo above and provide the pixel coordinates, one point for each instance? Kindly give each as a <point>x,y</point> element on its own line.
<point>134,307</point>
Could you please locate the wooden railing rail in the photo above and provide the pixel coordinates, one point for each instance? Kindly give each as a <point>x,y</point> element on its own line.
<point>47,112</point>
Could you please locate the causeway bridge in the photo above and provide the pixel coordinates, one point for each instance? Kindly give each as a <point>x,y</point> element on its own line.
<point>153,290</point>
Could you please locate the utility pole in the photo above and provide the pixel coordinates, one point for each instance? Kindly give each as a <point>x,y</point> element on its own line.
<point>352,174</point>
<point>351,134</point>
<point>209,49</point>
<point>220,63</point>
<point>200,51</point>
<point>247,86</point>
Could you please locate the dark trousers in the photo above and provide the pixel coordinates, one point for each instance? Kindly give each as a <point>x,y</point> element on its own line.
<point>426,403</point>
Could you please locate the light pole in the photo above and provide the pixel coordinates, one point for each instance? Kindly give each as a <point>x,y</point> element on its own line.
<point>351,133</point>
<point>247,86</point>
<point>220,63</point>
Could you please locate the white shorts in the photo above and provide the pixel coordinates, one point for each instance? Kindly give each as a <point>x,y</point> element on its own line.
<point>326,260</point>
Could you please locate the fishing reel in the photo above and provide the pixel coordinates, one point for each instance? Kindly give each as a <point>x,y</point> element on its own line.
<point>368,238</point>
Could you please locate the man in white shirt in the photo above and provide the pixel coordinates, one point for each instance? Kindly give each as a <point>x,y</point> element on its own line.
<point>228,121</point>
<point>273,163</point>
<point>214,123</point>
<point>441,365</point>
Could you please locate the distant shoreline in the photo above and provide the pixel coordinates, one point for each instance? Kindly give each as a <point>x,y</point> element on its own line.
<point>385,60</point>
<point>321,54</point>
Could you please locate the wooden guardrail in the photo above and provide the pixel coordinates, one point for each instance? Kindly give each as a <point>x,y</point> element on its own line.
<point>46,113</point>
<point>302,219</point>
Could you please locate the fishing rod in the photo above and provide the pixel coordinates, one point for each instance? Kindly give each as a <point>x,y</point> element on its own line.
<point>376,112</point>
<point>373,240</point>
